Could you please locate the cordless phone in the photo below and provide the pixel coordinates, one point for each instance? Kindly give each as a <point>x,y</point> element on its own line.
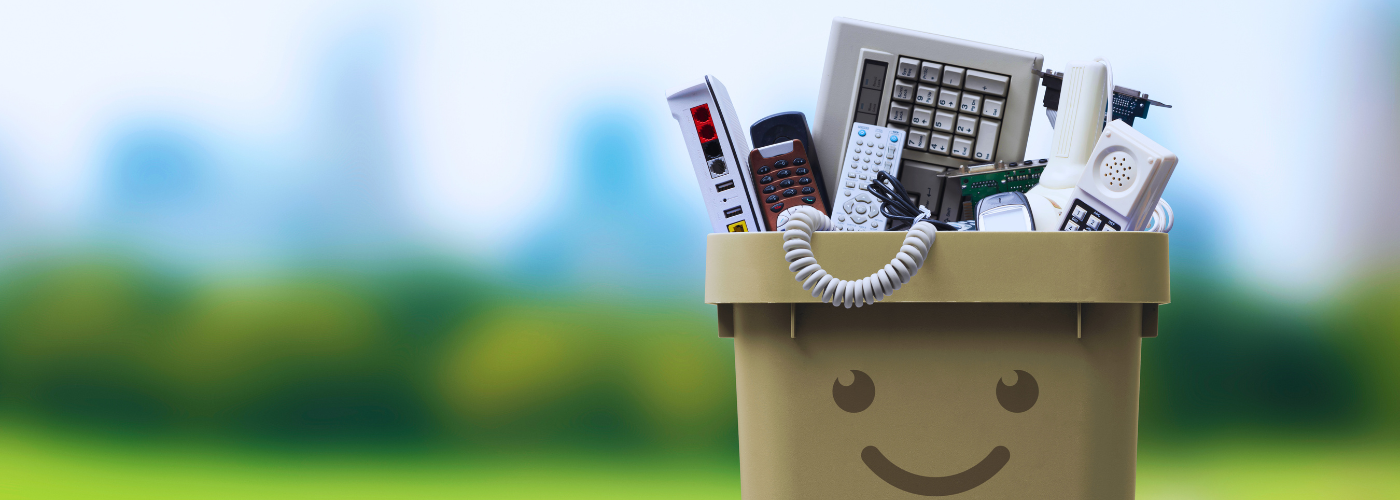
<point>784,177</point>
<point>783,127</point>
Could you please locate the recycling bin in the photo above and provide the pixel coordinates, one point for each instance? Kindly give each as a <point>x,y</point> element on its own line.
<point>1007,367</point>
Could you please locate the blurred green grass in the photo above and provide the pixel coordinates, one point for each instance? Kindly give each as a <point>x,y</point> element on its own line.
<point>38,464</point>
<point>121,379</point>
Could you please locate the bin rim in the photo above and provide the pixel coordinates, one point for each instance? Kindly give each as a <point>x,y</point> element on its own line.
<point>997,267</point>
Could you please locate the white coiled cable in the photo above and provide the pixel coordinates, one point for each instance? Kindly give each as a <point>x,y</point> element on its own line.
<point>797,227</point>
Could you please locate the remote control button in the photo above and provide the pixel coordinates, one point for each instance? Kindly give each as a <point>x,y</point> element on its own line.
<point>788,193</point>
<point>850,184</point>
<point>805,181</point>
<point>877,135</point>
<point>784,173</point>
<point>802,171</point>
<point>799,162</point>
<point>869,151</point>
<point>847,192</point>
<point>863,177</point>
<point>874,225</point>
<point>785,183</point>
<point>860,142</point>
<point>766,179</point>
<point>780,163</point>
<point>860,209</point>
<point>849,206</point>
<point>809,200</point>
<point>865,167</point>
<point>858,219</point>
<point>851,174</point>
<point>772,198</point>
<point>841,218</point>
<point>776,208</point>
<point>769,189</point>
<point>764,169</point>
<point>806,190</point>
<point>861,132</point>
<point>864,198</point>
<point>894,138</point>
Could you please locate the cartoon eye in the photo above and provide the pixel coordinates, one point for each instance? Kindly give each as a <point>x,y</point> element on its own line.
<point>856,397</point>
<point>1020,397</point>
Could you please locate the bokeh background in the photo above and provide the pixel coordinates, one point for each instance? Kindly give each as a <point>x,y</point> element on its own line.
<point>442,250</point>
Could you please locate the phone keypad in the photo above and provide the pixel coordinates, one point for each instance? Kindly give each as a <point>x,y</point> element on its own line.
<point>784,181</point>
<point>1083,217</point>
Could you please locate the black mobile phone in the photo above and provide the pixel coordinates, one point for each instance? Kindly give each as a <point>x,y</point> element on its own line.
<point>1009,211</point>
<point>783,127</point>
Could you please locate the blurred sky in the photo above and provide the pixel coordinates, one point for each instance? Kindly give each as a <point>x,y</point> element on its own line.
<point>248,133</point>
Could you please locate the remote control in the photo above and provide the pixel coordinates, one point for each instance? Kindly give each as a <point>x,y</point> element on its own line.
<point>784,179</point>
<point>783,127</point>
<point>870,150</point>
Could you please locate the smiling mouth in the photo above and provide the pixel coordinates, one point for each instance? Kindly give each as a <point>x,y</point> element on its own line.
<point>935,486</point>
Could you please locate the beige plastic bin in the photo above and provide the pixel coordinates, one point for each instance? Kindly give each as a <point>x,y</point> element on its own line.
<point>1007,368</point>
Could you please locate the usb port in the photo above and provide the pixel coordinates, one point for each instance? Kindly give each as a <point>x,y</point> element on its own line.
<point>733,212</point>
<point>724,186</point>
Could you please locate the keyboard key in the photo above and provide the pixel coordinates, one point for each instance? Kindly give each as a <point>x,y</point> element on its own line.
<point>986,82</point>
<point>967,125</point>
<point>986,139</point>
<point>992,107</point>
<point>962,148</point>
<point>970,102</point>
<point>899,113</point>
<point>921,117</point>
<point>903,91</point>
<point>931,72</point>
<point>939,143</point>
<point>917,140</point>
<point>944,121</point>
<point>952,76</point>
<point>908,68</point>
<point>948,98</point>
<point>926,94</point>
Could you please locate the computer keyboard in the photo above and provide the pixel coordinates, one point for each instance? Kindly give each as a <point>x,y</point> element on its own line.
<point>957,102</point>
<point>945,109</point>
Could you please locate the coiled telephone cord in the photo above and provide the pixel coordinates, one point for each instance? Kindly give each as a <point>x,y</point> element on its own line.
<point>797,227</point>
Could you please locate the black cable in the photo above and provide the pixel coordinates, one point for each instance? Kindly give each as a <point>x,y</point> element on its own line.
<point>895,205</point>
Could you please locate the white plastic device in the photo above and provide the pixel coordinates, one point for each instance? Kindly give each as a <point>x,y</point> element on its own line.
<point>961,102</point>
<point>1123,184</point>
<point>718,151</point>
<point>797,225</point>
<point>1083,104</point>
<point>869,151</point>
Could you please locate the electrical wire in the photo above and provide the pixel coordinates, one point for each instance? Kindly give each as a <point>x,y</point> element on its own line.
<point>895,206</point>
<point>1108,90</point>
<point>798,224</point>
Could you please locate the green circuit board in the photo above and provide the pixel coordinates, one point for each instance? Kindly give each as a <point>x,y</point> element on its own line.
<point>978,185</point>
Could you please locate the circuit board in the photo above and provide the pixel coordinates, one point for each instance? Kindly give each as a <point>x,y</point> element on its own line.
<point>966,188</point>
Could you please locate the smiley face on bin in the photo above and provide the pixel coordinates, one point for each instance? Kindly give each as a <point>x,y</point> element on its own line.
<point>860,394</point>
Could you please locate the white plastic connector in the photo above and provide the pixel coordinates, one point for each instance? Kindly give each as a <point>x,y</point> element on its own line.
<point>1083,99</point>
